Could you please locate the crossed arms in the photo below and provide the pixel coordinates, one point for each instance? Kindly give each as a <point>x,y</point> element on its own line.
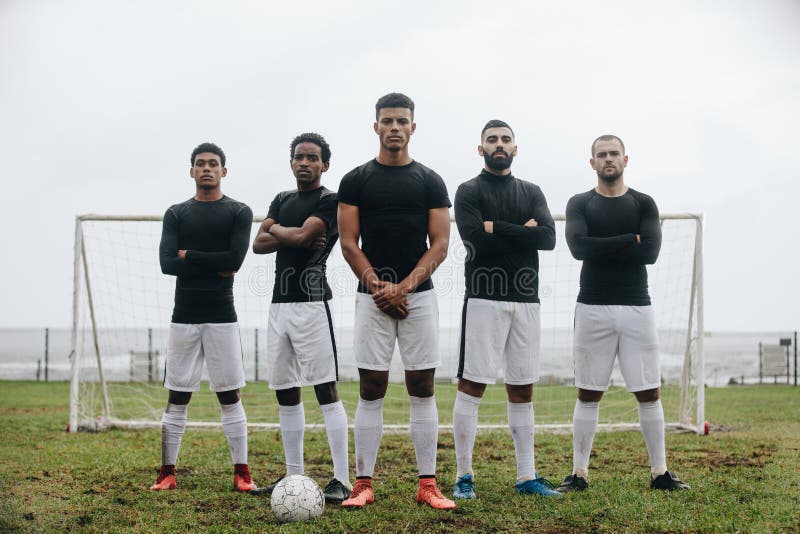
<point>198,263</point>
<point>272,236</point>
<point>641,248</point>
<point>501,237</point>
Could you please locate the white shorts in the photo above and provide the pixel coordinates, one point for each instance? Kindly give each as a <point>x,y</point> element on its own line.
<point>498,335</point>
<point>603,332</point>
<point>219,344</point>
<point>301,349</point>
<point>418,334</point>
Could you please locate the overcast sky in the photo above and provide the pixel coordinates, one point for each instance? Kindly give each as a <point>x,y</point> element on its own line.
<point>101,103</point>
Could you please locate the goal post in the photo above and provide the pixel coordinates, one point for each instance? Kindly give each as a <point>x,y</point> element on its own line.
<point>122,305</point>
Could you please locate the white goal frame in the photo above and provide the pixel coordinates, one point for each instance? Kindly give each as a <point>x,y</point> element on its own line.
<point>693,362</point>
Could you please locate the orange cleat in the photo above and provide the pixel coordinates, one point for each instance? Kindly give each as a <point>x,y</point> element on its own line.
<point>429,494</point>
<point>362,494</point>
<point>166,479</point>
<point>241,478</point>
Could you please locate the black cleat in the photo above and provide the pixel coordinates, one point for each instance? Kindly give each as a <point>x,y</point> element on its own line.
<point>335,492</point>
<point>669,482</point>
<point>266,490</point>
<point>573,483</point>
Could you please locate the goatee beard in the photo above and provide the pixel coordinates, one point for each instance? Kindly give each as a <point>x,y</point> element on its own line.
<point>609,178</point>
<point>499,164</point>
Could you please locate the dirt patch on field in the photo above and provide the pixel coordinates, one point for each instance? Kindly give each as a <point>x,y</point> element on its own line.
<point>759,457</point>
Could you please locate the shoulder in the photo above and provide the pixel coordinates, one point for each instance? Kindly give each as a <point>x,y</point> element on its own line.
<point>638,195</point>
<point>424,170</point>
<point>327,194</point>
<point>176,210</point>
<point>359,172</point>
<point>528,186</point>
<point>643,200</point>
<point>237,207</point>
<point>581,198</point>
<point>468,187</point>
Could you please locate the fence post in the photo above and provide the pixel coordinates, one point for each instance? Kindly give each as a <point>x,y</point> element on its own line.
<point>256,339</point>
<point>150,353</point>
<point>46,353</point>
<point>760,364</point>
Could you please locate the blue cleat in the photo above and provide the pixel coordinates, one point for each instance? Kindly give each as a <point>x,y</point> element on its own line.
<point>464,487</point>
<point>537,486</point>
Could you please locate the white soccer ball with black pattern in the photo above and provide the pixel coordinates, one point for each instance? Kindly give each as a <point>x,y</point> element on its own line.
<point>297,498</point>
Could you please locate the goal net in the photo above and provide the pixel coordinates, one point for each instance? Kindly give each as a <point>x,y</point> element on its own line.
<point>123,304</point>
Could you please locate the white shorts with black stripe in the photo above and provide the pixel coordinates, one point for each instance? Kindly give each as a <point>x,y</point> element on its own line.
<point>217,344</point>
<point>376,334</point>
<point>301,348</point>
<point>602,332</point>
<point>499,336</point>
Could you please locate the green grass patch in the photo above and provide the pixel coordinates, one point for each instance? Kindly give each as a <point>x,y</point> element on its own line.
<point>745,476</point>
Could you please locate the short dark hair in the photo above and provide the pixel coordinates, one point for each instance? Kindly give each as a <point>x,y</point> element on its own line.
<point>394,100</point>
<point>496,123</point>
<point>208,147</point>
<point>315,138</point>
<point>608,137</point>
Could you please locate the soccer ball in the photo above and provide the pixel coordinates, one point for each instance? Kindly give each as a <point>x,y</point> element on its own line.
<point>296,498</point>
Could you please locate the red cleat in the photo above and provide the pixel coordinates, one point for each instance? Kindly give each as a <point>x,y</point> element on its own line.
<point>166,479</point>
<point>362,494</point>
<point>241,478</point>
<point>429,494</point>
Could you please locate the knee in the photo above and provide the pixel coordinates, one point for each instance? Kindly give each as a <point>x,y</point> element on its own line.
<point>586,395</point>
<point>288,397</point>
<point>326,393</point>
<point>650,395</point>
<point>373,385</point>
<point>228,397</point>
<point>180,397</point>
<point>420,383</point>
<point>519,394</point>
<point>471,388</point>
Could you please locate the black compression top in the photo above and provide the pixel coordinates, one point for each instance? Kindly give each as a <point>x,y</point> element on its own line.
<point>602,231</point>
<point>215,236</point>
<point>300,272</point>
<point>393,204</point>
<point>503,265</point>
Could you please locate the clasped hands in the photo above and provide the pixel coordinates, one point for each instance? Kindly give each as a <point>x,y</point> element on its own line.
<point>390,298</point>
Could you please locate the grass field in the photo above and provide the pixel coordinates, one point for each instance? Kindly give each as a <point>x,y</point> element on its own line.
<point>745,476</point>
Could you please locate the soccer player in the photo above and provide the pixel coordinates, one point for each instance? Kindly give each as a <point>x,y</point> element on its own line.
<point>203,243</point>
<point>301,227</point>
<point>394,204</point>
<point>615,231</point>
<point>503,221</point>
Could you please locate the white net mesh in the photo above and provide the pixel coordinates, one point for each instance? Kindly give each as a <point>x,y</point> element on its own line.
<point>132,303</point>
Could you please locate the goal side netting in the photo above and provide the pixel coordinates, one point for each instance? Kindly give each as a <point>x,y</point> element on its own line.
<point>122,307</point>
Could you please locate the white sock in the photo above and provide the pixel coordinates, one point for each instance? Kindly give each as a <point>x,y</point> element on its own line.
<point>425,433</point>
<point>584,426</point>
<point>234,423</point>
<point>465,426</point>
<point>651,420</point>
<point>293,425</point>
<point>336,428</point>
<point>520,421</point>
<point>173,423</point>
<point>367,430</point>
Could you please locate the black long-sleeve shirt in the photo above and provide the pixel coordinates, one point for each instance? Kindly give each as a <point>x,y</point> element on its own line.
<point>503,265</point>
<point>602,231</point>
<point>215,236</point>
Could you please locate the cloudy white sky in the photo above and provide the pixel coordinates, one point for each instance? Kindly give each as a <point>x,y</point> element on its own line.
<point>101,103</point>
